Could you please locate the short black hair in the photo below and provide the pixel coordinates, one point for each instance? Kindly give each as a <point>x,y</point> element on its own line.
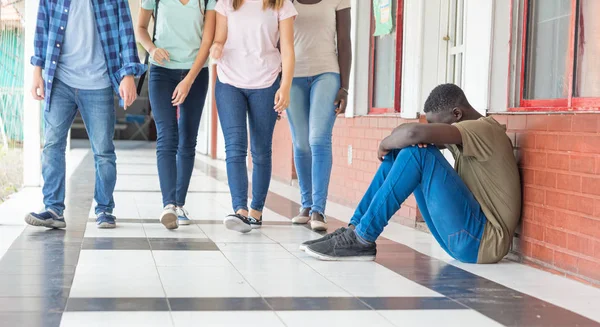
<point>446,97</point>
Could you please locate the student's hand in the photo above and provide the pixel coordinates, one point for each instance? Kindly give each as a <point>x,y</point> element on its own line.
<point>181,92</point>
<point>382,152</point>
<point>37,87</point>
<point>127,91</point>
<point>422,145</point>
<point>282,99</point>
<point>341,101</point>
<point>159,55</point>
<point>216,51</point>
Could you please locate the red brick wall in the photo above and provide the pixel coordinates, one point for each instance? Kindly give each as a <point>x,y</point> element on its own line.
<point>559,157</point>
<point>348,182</point>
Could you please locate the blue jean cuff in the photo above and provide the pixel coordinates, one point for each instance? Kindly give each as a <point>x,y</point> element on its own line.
<point>364,235</point>
<point>322,212</point>
<point>354,222</point>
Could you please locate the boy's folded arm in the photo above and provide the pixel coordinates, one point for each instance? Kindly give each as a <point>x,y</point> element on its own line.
<point>411,134</point>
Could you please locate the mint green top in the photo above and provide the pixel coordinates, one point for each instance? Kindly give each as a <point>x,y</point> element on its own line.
<point>179,30</point>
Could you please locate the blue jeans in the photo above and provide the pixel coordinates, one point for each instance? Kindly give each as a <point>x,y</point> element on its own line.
<point>98,112</point>
<point>312,116</point>
<point>176,140</point>
<point>451,212</point>
<point>234,106</point>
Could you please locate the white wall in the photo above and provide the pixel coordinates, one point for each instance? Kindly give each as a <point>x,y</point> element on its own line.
<point>478,51</point>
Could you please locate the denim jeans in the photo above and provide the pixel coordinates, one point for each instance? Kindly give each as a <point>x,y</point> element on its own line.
<point>235,105</point>
<point>176,139</point>
<point>312,116</point>
<point>451,212</point>
<point>98,112</point>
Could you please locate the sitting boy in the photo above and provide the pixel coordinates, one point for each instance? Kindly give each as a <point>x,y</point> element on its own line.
<point>472,211</point>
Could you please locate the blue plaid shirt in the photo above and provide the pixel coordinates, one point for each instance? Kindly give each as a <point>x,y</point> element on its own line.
<point>116,33</point>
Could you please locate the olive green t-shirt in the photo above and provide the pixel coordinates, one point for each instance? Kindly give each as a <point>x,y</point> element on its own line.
<point>486,163</point>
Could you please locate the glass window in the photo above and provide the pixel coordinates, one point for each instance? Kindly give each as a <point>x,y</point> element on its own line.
<point>383,74</point>
<point>587,82</point>
<point>546,71</point>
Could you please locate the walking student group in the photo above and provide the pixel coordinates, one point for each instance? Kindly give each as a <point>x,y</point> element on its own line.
<point>273,58</point>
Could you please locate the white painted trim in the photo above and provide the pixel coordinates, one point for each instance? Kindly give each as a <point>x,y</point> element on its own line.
<point>412,57</point>
<point>478,52</point>
<point>361,41</point>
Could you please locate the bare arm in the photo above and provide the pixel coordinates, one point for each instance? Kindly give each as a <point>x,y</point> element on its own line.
<point>183,89</point>
<point>415,133</point>
<point>207,40</point>
<point>344,45</point>
<point>288,57</point>
<point>141,29</point>
<point>344,49</point>
<point>216,51</point>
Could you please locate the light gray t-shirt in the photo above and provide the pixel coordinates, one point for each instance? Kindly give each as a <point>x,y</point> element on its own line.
<point>82,64</point>
<point>315,32</point>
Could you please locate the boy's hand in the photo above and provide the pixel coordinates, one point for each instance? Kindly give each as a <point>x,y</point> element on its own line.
<point>37,87</point>
<point>382,152</point>
<point>127,91</point>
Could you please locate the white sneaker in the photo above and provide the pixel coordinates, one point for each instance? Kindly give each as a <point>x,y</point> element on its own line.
<point>169,217</point>
<point>183,217</point>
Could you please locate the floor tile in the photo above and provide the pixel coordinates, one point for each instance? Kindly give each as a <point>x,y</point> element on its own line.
<point>115,243</point>
<point>55,285</point>
<point>55,304</point>
<point>109,259</point>
<point>316,304</point>
<point>271,248</point>
<point>219,234</point>
<point>341,318</point>
<point>190,259</point>
<point>30,319</point>
<point>122,230</point>
<point>141,282</point>
<point>446,318</point>
<point>159,231</point>
<point>293,284</point>
<point>289,234</point>
<point>204,282</point>
<point>117,304</point>
<point>226,319</point>
<point>116,319</point>
<point>182,245</point>
<point>370,285</point>
<point>219,304</point>
<point>53,257</point>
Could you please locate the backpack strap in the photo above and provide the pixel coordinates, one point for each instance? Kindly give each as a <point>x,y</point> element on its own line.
<point>147,59</point>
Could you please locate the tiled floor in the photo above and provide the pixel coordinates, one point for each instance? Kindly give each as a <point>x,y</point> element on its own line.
<point>204,275</point>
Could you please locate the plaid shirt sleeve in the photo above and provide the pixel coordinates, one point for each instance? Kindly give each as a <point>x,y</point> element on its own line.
<point>41,36</point>
<point>130,61</point>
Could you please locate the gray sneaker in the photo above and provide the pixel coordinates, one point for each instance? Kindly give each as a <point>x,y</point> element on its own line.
<point>343,247</point>
<point>304,245</point>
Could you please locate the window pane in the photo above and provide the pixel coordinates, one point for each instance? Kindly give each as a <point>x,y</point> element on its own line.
<point>384,67</point>
<point>546,75</point>
<point>384,71</point>
<point>587,82</point>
